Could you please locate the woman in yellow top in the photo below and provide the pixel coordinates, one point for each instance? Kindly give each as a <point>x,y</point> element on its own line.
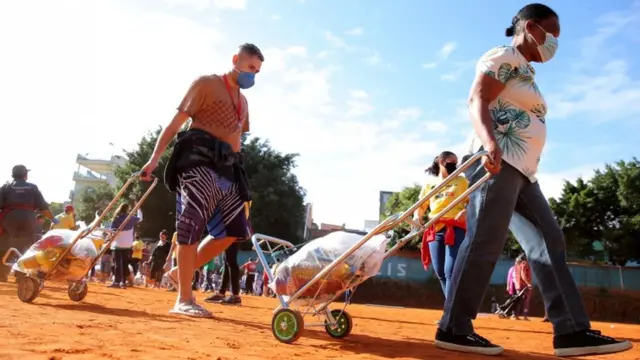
<point>441,242</point>
<point>66,220</point>
<point>136,255</point>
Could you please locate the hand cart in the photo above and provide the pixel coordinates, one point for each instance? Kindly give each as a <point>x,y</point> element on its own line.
<point>287,324</point>
<point>30,285</point>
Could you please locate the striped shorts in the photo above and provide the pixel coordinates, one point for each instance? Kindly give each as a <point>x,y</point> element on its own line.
<point>207,200</point>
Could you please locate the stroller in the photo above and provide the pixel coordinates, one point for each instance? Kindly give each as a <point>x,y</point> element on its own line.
<point>323,270</point>
<point>508,306</point>
<point>67,255</point>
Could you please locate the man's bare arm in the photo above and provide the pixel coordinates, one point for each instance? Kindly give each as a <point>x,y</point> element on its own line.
<point>167,134</point>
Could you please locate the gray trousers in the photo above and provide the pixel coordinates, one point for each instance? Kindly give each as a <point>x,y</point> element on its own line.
<point>489,215</point>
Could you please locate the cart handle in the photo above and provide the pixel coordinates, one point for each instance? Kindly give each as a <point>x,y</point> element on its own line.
<point>259,239</point>
<point>101,216</point>
<point>5,258</point>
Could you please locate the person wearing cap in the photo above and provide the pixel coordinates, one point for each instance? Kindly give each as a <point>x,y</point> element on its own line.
<point>66,220</point>
<point>19,202</point>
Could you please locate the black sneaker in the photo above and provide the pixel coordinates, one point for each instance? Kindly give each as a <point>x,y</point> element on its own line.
<point>473,343</point>
<point>231,300</point>
<point>215,298</point>
<point>587,342</point>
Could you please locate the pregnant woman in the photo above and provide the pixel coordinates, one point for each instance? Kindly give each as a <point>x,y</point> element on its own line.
<point>508,114</point>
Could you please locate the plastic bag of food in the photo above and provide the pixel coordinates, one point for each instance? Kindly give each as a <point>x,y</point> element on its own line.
<point>297,270</point>
<point>42,255</point>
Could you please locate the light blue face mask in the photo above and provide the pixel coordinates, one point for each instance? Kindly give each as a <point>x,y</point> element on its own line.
<point>547,50</point>
<point>245,79</point>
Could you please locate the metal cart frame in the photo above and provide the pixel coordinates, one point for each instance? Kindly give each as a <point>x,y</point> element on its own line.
<point>287,324</point>
<point>29,286</point>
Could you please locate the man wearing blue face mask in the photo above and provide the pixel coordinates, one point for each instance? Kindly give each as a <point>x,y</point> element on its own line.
<point>206,170</point>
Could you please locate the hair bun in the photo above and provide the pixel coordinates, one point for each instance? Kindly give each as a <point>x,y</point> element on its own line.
<point>510,31</point>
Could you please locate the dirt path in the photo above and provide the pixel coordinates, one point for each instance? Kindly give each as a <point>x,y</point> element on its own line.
<point>135,324</point>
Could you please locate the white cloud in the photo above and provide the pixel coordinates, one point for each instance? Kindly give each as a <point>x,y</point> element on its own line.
<point>358,108</point>
<point>371,57</point>
<point>359,104</point>
<point>276,17</point>
<point>430,65</point>
<point>338,42</point>
<point>443,54</point>
<point>231,4</point>
<point>436,126</point>
<point>278,57</point>
<point>602,86</point>
<point>323,54</point>
<point>359,94</point>
<point>410,113</point>
<point>447,49</point>
<point>357,31</point>
<point>200,5</point>
<point>458,69</point>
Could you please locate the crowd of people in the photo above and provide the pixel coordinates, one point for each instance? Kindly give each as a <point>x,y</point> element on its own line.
<point>145,264</point>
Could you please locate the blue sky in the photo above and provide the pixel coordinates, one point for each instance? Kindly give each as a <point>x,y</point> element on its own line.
<point>368,92</point>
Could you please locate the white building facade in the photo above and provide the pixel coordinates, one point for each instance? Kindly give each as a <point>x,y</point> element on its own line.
<point>94,172</point>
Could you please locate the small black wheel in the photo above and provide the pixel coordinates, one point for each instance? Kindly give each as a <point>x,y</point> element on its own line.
<point>287,325</point>
<point>78,291</point>
<point>342,327</point>
<point>28,288</point>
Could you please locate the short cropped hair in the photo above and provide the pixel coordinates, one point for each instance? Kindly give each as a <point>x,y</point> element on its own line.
<point>252,50</point>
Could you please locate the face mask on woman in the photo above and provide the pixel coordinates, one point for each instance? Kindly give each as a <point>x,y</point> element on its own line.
<point>450,167</point>
<point>548,49</point>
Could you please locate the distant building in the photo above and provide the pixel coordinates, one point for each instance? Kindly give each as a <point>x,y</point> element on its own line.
<point>384,198</point>
<point>331,227</point>
<point>326,229</point>
<point>370,225</point>
<point>94,172</point>
<point>308,220</point>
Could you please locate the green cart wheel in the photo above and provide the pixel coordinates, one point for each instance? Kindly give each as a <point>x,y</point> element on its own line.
<point>77,291</point>
<point>343,326</point>
<point>28,288</point>
<point>287,325</point>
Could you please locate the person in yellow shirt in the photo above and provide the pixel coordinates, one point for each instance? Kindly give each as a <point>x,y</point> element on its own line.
<point>136,254</point>
<point>172,262</point>
<point>441,241</point>
<point>66,220</point>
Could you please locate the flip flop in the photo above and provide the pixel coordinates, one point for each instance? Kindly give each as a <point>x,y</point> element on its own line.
<point>191,309</point>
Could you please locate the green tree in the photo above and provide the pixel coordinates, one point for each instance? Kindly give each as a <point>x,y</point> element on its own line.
<point>605,209</point>
<point>160,207</point>
<point>399,202</point>
<point>576,211</point>
<point>273,186</point>
<point>56,207</point>
<point>512,247</point>
<point>93,199</point>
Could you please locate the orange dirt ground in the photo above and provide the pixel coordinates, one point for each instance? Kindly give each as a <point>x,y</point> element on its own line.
<point>135,324</point>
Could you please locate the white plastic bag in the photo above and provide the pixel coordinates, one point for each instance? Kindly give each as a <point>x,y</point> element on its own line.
<point>304,265</point>
<point>138,280</point>
<point>42,255</point>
